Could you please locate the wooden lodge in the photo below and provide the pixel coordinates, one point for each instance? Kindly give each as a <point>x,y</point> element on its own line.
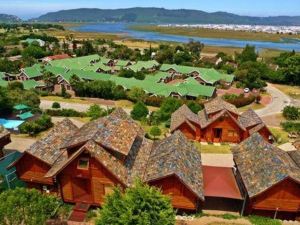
<point>82,165</point>
<point>272,188</point>
<point>218,122</point>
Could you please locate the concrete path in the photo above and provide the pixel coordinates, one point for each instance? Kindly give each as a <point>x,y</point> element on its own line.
<point>46,104</point>
<point>222,160</point>
<point>20,144</point>
<point>279,101</point>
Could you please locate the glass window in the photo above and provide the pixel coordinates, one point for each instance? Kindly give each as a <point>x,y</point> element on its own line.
<point>83,164</point>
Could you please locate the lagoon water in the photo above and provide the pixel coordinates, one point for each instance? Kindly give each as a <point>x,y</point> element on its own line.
<point>125,30</point>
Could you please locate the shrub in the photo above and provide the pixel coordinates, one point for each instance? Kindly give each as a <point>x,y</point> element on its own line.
<point>194,106</point>
<point>155,101</point>
<point>95,112</point>
<point>239,101</point>
<point>65,113</point>
<point>140,204</point>
<point>34,127</point>
<point>55,105</point>
<point>291,126</point>
<point>291,113</point>
<point>139,111</point>
<point>137,94</point>
<point>155,131</point>
<point>27,206</point>
<point>168,106</point>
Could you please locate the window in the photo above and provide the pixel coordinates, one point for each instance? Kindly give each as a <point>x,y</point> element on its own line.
<point>232,133</point>
<point>83,164</point>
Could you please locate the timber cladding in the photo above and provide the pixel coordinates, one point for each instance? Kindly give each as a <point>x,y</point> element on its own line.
<point>219,121</point>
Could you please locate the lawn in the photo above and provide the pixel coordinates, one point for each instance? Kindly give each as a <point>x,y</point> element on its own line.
<point>214,33</point>
<point>67,100</point>
<point>292,91</point>
<point>213,149</point>
<point>280,135</point>
<point>147,128</point>
<point>253,106</point>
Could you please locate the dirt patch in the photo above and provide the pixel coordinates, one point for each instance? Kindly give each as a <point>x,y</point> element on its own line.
<point>211,220</point>
<point>273,120</point>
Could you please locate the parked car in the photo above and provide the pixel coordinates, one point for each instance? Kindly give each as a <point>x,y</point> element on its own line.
<point>246,90</point>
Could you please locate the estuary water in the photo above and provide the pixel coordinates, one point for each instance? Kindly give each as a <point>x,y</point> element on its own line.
<point>125,30</point>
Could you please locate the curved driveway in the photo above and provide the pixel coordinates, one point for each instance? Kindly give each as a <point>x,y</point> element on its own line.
<point>279,101</point>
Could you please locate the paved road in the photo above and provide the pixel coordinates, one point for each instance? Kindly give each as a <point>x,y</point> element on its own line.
<point>46,104</point>
<point>279,101</point>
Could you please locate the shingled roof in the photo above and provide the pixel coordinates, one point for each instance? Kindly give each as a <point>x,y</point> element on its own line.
<point>295,155</point>
<point>175,155</point>
<point>218,104</point>
<point>183,114</point>
<point>249,118</point>
<point>116,132</point>
<point>262,165</point>
<point>48,148</point>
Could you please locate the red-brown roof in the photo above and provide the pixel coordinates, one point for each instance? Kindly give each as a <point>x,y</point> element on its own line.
<point>220,182</point>
<point>56,57</point>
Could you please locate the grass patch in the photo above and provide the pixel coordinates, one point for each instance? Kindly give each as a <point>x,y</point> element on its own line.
<point>147,128</point>
<point>213,149</point>
<point>292,91</point>
<point>258,220</point>
<point>214,33</point>
<point>124,104</point>
<point>67,100</point>
<point>253,106</point>
<point>280,135</point>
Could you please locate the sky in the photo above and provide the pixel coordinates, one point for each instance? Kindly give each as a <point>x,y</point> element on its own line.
<point>33,8</point>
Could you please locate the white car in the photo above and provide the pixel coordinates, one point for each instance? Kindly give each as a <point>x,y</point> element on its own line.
<point>246,90</point>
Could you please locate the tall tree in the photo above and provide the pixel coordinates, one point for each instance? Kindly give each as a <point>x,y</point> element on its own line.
<point>139,205</point>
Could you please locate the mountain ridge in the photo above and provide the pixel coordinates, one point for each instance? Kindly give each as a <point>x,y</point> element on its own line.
<point>162,15</point>
<point>6,18</point>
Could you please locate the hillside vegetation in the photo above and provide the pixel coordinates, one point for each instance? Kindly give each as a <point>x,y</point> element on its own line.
<point>161,15</point>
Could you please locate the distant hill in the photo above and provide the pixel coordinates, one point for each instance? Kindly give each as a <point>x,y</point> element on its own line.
<point>161,15</point>
<point>5,18</point>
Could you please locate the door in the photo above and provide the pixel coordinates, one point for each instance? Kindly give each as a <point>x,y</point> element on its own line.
<point>218,134</point>
<point>82,190</point>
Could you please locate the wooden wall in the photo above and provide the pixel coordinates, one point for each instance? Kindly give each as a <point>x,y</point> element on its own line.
<point>93,183</point>
<point>181,196</point>
<point>227,125</point>
<point>33,170</point>
<point>285,196</point>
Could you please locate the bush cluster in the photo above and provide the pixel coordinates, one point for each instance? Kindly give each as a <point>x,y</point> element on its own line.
<point>239,100</point>
<point>65,113</point>
<point>34,127</point>
<point>291,126</point>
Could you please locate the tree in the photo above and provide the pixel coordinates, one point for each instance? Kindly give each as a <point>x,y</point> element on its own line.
<point>33,51</point>
<point>27,206</point>
<point>248,54</point>
<point>194,106</point>
<point>291,113</point>
<point>6,105</point>
<point>155,131</point>
<point>55,105</point>
<point>137,94</point>
<point>139,205</point>
<point>50,79</point>
<point>139,111</point>
<point>95,112</point>
<point>168,106</point>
